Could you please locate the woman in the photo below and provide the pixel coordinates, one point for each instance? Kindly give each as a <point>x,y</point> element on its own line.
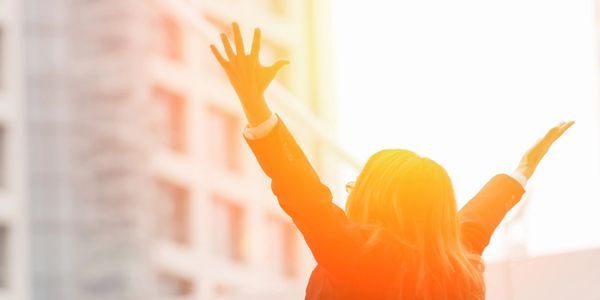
<point>401,236</point>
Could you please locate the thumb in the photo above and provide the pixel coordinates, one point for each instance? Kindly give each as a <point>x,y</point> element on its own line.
<point>277,66</point>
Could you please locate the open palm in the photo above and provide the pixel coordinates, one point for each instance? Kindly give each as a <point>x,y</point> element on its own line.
<point>533,156</point>
<point>248,77</point>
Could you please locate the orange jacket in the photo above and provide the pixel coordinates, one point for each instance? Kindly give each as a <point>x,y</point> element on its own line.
<point>349,267</point>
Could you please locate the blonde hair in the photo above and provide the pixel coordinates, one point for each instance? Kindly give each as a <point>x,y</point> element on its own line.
<point>413,197</point>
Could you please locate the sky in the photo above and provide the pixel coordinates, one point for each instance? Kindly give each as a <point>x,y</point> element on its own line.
<point>473,84</point>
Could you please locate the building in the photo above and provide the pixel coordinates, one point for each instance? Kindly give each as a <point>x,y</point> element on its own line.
<point>125,175</point>
<point>242,244</point>
<point>573,275</point>
<point>13,211</point>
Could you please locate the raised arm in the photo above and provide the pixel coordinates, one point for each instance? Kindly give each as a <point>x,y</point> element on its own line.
<point>274,146</point>
<point>331,237</point>
<point>482,214</point>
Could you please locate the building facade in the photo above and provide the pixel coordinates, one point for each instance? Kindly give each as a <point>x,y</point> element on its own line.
<point>126,175</point>
<point>573,275</point>
<point>14,269</point>
<point>245,246</point>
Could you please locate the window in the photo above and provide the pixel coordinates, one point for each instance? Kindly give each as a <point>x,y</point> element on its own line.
<point>3,256</point>
<point>282,255</point>
<point>170,42</point>
<point>278,7</point>
<point>219,24</point>
<point>226,137</point>
<point>174,210</point>
<point>2,64</point>
<point>228,230</point>
<point>3,166</point>
<point>110,41</point>
<point>224,290</point>
<point>175,286</point>
<point>172,116</point>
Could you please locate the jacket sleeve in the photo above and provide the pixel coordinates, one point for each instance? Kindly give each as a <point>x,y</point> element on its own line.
<point>332,238</point>
<point>482,214</point>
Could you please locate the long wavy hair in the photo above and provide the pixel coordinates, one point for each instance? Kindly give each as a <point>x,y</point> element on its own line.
<point>413,197</point>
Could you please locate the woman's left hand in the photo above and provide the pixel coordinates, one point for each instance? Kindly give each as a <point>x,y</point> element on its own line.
<point>532,158</point>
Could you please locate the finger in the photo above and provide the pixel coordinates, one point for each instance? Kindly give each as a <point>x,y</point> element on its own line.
<point>277,66</point>
<point>237,38</point>
<point>219,57</point>
<point>564,128</point>
<point>552,134</point>
<point>255,43</point>
<point>227,47</point>
<point>567,126</point>
<point>561,128</point>
<point>556,132</point>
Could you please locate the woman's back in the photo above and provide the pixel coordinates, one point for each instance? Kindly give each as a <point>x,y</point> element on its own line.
<point>356,260</point>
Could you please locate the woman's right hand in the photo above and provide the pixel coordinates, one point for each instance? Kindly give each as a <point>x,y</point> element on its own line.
<point>248,77</point>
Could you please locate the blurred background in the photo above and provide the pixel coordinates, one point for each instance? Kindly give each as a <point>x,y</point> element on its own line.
<point>124,175</point>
